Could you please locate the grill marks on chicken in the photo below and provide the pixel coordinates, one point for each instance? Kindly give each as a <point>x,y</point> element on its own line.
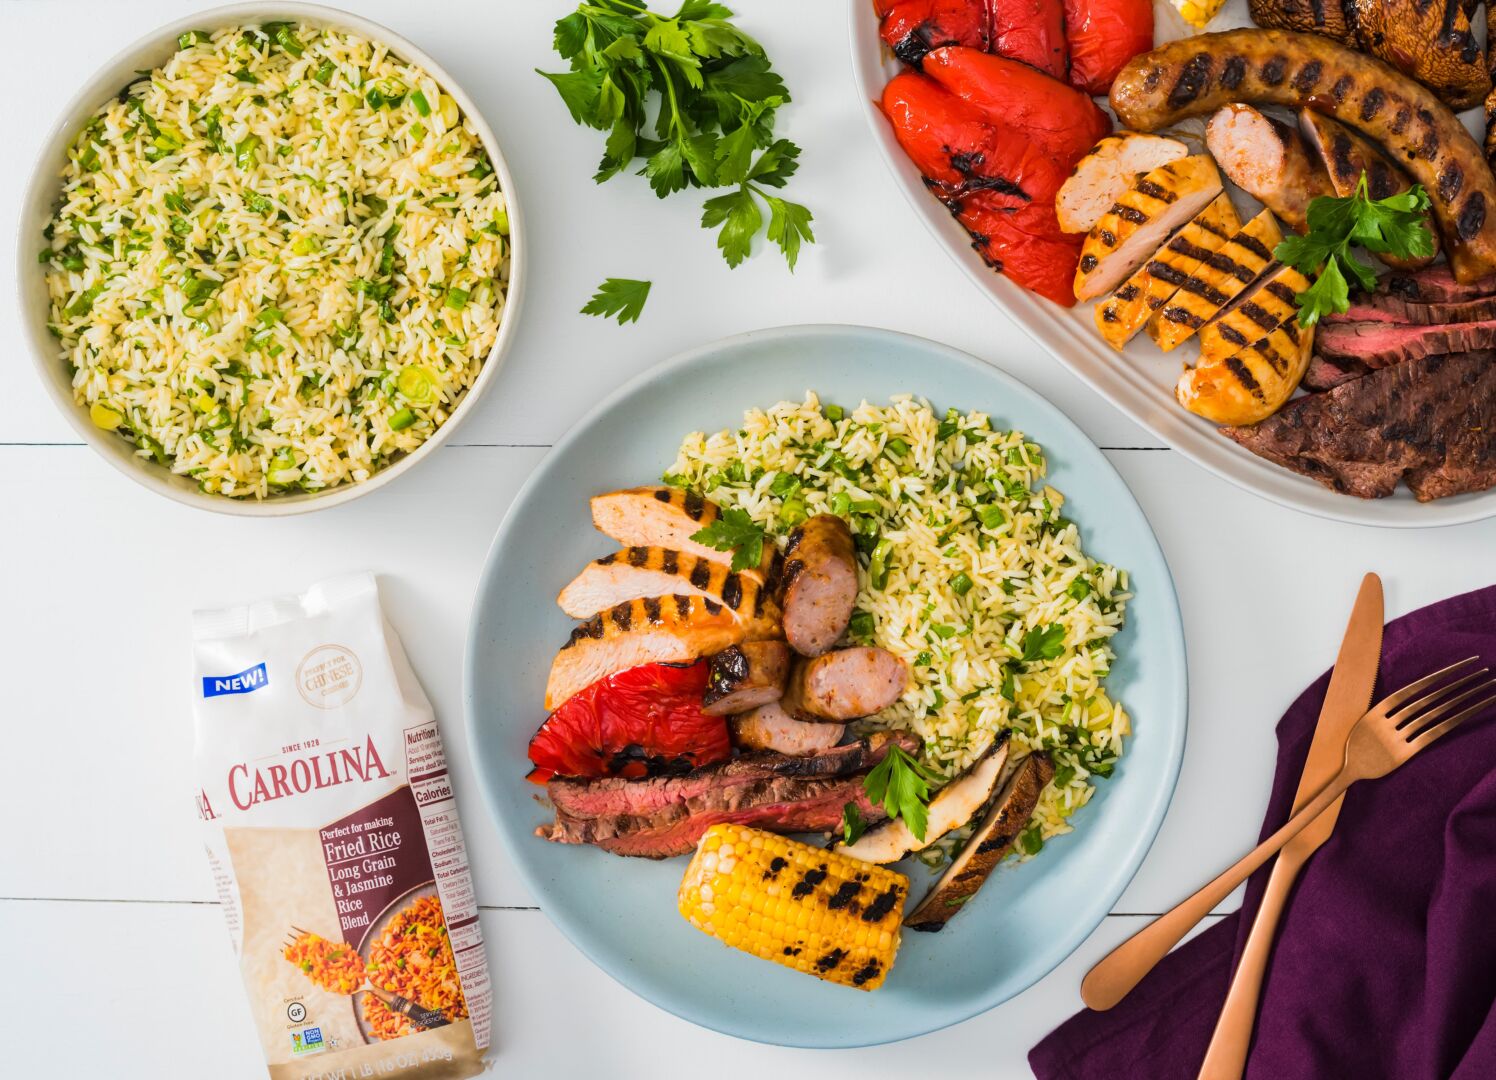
<point>664,517</point>
<point>1216,282</point>
<point>637,572</point>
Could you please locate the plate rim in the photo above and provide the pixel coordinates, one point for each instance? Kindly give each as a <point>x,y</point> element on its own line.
<point>1236,466</point>
<point>1159,800</point>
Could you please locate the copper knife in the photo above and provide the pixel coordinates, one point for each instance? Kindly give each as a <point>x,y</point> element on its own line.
<point>1348,697</point>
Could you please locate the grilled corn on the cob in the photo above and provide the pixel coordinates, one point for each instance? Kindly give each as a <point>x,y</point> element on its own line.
<point>1198,12</point>
<point>809,909</point>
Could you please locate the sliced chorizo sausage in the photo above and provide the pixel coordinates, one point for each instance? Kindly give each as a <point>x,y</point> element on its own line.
<point>845,684</point>
<point>746,676</point>
<point>818,586</point>
<point>1198,75</point>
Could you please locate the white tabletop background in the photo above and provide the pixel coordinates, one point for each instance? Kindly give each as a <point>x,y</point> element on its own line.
<point>115,961</point>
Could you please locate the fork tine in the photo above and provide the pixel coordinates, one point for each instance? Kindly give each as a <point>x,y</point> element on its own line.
<point>1424,719</point>
<point>1407,693</point>
<point>1409,714</point>
<point>1449,725</point>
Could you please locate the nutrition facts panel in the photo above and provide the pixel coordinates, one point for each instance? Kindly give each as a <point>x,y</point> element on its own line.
<point>426,766</point>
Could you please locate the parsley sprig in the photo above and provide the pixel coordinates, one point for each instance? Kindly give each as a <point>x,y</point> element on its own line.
<point>714,126</point>
<point>901,785</point>
<point>1396,225</point>
<point>623,297</point>
<point>736,532</point>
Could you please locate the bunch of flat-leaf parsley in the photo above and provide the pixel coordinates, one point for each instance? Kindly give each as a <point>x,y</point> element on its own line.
<point>1396,225</point>
<point>712,95</point>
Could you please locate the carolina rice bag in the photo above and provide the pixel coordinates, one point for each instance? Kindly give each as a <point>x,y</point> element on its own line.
<point>334,840</point>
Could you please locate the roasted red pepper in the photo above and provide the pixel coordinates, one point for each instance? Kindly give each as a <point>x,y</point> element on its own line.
<point>1103,36</point>
<point>1032,31</point>
<point>999,181</point>
<point>646,721</point>
<point>912,28</point>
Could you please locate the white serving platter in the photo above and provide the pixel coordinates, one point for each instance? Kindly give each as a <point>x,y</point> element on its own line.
<point>1140,380</point>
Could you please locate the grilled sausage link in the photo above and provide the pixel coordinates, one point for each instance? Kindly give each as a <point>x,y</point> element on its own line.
<point>844,685</point>
<point>746,676</point>
<point>1200,74</point>
<point>818,587</point>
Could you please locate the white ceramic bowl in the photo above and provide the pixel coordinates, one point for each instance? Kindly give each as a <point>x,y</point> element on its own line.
<point>1139,381</point>
<point>149,52</point>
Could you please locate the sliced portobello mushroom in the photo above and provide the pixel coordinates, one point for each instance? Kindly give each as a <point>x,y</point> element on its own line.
<point>988,846</point>
<point>953,806</point>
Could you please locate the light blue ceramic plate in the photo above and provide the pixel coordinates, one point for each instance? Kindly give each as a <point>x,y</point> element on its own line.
<point>621,912</point>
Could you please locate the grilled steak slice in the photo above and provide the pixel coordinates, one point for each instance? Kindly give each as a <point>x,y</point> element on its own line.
<point>1388,308</point>
<point>661,817</point>
<point>1379,345</point>
<point>1433,285</point>
<point>1431,422</point>
<point>1325,374</point>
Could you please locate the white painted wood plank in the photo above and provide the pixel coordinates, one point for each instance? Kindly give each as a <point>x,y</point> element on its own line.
<point>164,1001</point>
<point>874,262</point>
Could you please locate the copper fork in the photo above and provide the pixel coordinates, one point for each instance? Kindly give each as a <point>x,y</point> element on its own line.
<point>1397,728</point>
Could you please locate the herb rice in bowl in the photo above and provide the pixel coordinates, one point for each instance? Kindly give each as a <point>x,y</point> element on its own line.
<point>279,263</point>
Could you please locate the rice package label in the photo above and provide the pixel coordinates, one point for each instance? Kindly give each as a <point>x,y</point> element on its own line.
<point>334,841</point>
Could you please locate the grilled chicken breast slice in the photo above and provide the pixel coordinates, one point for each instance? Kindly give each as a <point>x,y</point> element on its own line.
<point>636,572</point>
<point>1254,314</point>
<point>953,806</point>
<point>1249,386</point>
<point>665,517</point>
<point>1270,161</point>
<point>1099,179</point>
<point>1142,219</point>
<point>1218,280</point>
<point>1120,316</point>
<point>769,727</point>
<point>987,846</point>
<point>657,629</point>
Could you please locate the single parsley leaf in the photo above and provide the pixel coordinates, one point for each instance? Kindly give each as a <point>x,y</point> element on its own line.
<point>735,154</point>
<point>579,89</point>
<point>853,823</point>
<point>571,35</point>
<point>735,531</point>
<point>1329,293</point>
<point>623,297</point>
<point>666,169</point>
<point>901,785</point>
<point>740,218</point>
<point>789,223</point>
<point>1043,642</point>
<point>776,164</point>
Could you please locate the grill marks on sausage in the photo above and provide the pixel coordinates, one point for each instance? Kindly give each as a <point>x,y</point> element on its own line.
<point>1193,77</point>
<point>1233,71</point>
<point>1308,77</point>
<point>1272,72</point>
<point>1450,182</point>
<point>1472,217</point>
<point>1372,103</point>
<point>1342,88</point>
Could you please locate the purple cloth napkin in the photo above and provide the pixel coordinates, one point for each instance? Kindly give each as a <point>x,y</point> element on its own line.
<point>1385,964</point>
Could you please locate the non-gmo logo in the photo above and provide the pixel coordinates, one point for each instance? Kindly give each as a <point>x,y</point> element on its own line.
<point>245,682</point>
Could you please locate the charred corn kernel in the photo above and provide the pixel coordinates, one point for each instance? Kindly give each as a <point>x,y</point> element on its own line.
<point>825,914</point>
<point>1197,14</point>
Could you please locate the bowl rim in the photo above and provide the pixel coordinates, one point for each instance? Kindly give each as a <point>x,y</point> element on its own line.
<point>40,197</point>
<point>1124,872</point>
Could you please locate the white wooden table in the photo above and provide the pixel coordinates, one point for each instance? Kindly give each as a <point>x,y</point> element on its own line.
<point>116,961</point>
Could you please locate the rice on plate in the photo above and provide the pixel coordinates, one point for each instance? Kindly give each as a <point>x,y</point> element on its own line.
<point>968,571</point>
<point>278,260</point>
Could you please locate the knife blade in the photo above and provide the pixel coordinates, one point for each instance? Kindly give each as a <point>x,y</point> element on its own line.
<point>1346,700</point>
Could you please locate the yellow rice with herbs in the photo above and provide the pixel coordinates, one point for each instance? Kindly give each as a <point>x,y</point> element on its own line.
<point>968,570</point>
<point>278,261</point>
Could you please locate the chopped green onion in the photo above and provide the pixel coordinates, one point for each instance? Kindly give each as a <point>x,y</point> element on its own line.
<point>923,659</point>
<point>285,37</point>
<point>324,72</point>
<point>992,517</point>
<point>896,448</point>
<point>785,485</point>
<point>1079,589</point>
<point>193,37</point>
<point>417,384</point>
<point>402,420</point>
<point>501,222</point>
<point>1029,841</point>
<point>422,106</point>
<point>244,75</point>
<point>834,412</point>
<point>941,631</point>
<point>861,625</point>
<point>961,584</point>
<point>841,504</point>
<point>245,152</point>
<point>794,511</point>
<point>457,299</point>
<point>306,245</point>
<point>877,569</point>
